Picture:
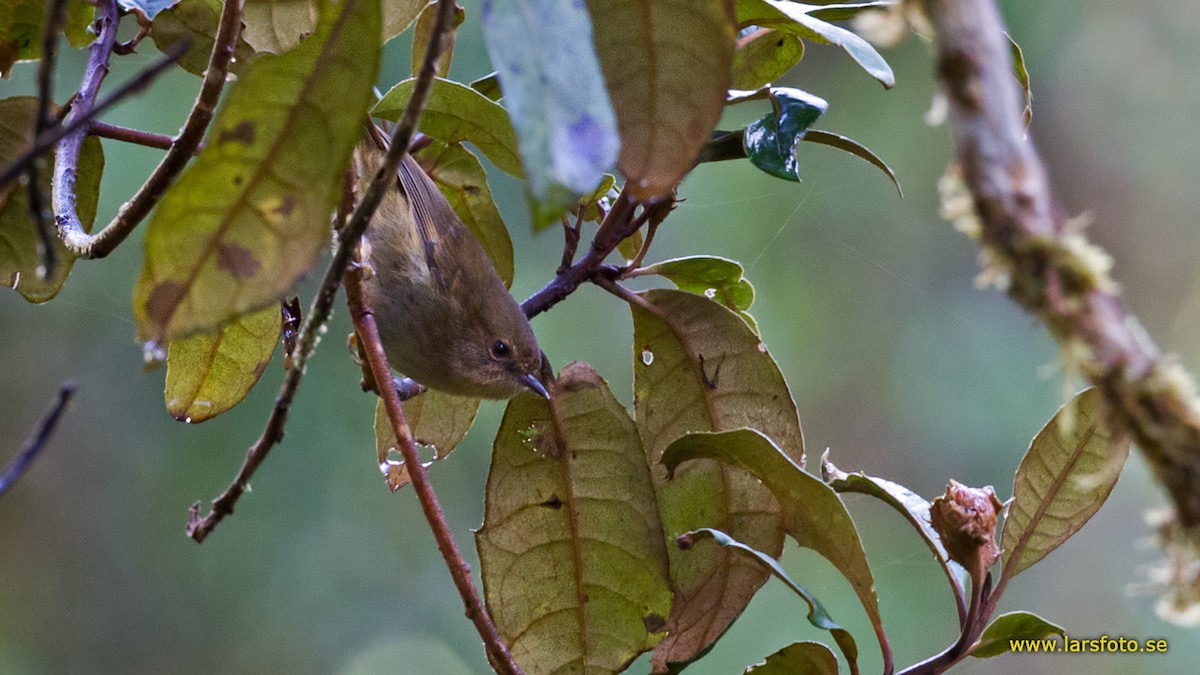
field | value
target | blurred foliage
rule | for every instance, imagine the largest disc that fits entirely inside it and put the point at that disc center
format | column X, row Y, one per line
column 895, row 362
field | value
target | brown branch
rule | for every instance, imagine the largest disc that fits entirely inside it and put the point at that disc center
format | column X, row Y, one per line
column 460, row 571
column 347, row 241
column 37, row 439
column 127, row 135
column 76, row 126
column 1053, row 272
column 181, row 151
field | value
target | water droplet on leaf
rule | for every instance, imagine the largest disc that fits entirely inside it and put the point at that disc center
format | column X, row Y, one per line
column 647, row 356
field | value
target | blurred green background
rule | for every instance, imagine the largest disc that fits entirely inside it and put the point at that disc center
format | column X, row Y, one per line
column 898, row 364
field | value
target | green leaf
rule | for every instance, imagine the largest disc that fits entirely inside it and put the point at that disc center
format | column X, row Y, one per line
column 571, row 551
column 589, row 205
column 798, row 658
column 817, row 616
column 763, row 56
column 1012, row 626
column 1064, row 478
column 543, row 53
column 699, row 367
column 252, row 213
column 196, row 22
column 208, row 374
column 462, row 179
column 798, row 19
column 667, row 65
column 770, row 141
column 812, row 512
column 19, row 240
column 424, row 29
column 277, row 26
column 21, row 29
column 488, row 85
column 907, row 503
column 853, row 147
column 457, row 113
column 1022, row 74
column 713, row 277
column 436, row 420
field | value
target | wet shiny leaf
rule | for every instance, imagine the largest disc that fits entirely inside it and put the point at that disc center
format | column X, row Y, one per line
column 437, row 420
column 196, row 22
column 770, row 142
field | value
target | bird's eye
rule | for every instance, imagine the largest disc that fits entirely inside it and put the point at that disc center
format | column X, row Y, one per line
column 500, row 349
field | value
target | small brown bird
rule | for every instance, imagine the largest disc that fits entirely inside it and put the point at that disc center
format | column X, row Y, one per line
column 445, row 318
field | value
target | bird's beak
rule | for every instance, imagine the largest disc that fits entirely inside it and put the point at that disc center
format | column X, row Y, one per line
column 530, row 380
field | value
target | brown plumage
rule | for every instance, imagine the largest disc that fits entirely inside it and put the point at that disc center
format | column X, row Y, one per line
column 445, row 318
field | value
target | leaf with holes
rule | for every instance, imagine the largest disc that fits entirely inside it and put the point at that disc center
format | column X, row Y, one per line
column 813, row 514
column 457, row 113
column 667, row 66
column 19, row 240
column 543, row 53
column 763, row 56
column 998, row 636
column 462, row 179
column 699, row 367
column 252, row 213
column 208, row 374
column 817, row 616
column 1064, row 478
column 436, row 420
column 770, row 141
column 808, row 658
column 571, row 551
column 196, row 22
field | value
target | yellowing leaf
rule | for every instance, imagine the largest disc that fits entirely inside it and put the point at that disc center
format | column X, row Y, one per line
column 463, row 180
column 196, row 22
column 253, row 212
column 279, row 25
column 423, row 30
column 763, row 56
column 667, row 66
column 19, row 259
column 1064, row 478
column 571, row 550
column 208, row 374
column 699, row 367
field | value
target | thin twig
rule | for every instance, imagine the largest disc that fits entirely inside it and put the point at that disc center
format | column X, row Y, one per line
column 1052, row 270
column 37, row 439
column 78, row 123
column 181, row 151
column 460, row 571
column 135, row 136
column 978, row 614
column 347, row 240
column 55, row 13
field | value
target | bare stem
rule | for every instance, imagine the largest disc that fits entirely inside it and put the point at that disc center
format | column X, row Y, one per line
column 135, row 136
column 1054, row 272
column 181, row 150
column 37, row 439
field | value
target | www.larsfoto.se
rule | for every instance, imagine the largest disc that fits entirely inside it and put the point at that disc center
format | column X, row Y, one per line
column 1099, row 645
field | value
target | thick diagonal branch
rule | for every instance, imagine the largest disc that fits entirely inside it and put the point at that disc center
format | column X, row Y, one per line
column 1053, row 271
